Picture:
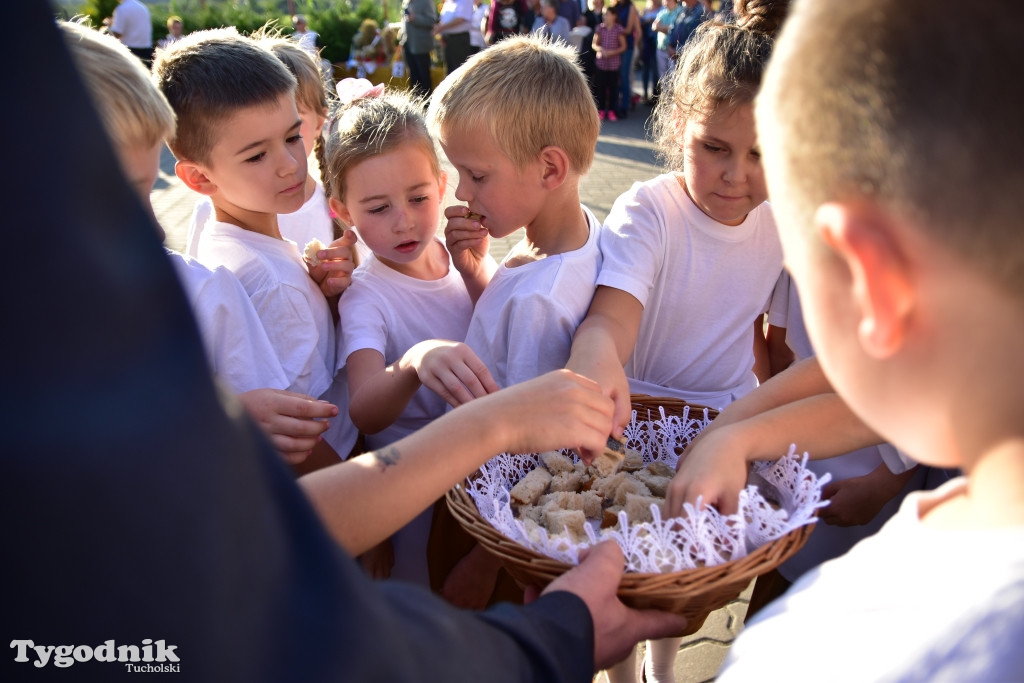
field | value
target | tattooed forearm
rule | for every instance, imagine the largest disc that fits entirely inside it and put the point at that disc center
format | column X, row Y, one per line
column 387, row 457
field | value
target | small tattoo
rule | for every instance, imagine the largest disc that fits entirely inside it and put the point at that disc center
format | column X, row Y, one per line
column 388, row 458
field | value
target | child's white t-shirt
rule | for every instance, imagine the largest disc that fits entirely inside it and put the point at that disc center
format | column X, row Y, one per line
column 236, row 344
column 290, row 305
column 701, row 283
column 525, row 319
column 389, row 312
column 312, row 220
column 911, row 603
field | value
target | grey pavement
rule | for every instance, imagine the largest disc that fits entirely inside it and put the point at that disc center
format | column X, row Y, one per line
column 624, row 155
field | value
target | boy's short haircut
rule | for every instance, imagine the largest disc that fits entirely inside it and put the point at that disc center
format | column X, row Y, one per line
column 207, row 76
column 172, row 20
column 528, row 93
column 133, row 110
column 921, row 114
column 310, row 91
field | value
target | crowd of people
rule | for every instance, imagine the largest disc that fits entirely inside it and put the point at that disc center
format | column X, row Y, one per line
column 870, row 313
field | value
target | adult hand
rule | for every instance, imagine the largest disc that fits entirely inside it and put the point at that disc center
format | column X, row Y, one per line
column 617, row 628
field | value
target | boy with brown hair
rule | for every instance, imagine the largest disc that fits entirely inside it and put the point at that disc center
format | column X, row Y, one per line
column 238, row 142
column 897, row 185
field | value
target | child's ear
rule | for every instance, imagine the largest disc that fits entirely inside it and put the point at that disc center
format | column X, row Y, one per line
column 340, row 210
column 195, row 177
column 554, row 167
column 865, row 239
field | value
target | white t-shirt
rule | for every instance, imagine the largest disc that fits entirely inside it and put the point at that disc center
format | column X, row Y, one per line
column 453, row 9
column 236, row 343
column 701, row 283
column 312, row 220
column 911, row 603
column 289, row 304
column 476, row 35
column 131, row 22
column 389, row 312
column 524, row 321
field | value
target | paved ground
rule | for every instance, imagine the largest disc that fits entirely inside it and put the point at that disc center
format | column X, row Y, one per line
column 624, row 156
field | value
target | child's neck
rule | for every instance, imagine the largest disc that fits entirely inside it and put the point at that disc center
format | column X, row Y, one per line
column 559, row 228
column 253, row 221
column 994, row 496
column 431, row 264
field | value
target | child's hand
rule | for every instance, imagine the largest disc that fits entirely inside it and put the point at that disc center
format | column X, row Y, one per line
column 334, row 272
column 715, row 469
column 559, row 409
column 471, row 581
column 378, row 561
column 467, row 241
column 449, row 369
column 294, row 422
column 858, row 500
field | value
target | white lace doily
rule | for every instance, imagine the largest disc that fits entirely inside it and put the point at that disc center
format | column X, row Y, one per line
column 698, row 538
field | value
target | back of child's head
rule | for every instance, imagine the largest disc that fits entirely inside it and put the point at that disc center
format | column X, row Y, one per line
column 134, row 112
column 369, row 126
column 309, row 92
column 919, row 113
column 721, row 65
column 208, row 76
column 528, row 93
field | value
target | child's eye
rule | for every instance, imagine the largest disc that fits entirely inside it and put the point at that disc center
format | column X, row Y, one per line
column 378, row 209
column 713, row 148
column 254, row 159
column 476, row 178
column 418, row 200
column 293, row 139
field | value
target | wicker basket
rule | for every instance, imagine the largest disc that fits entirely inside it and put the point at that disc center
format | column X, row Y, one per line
column 694, row 593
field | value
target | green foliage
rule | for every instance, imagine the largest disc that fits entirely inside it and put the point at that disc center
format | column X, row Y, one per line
column 335, row 20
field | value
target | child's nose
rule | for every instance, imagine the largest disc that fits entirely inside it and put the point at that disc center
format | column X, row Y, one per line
column 461, row 192
column 736, row 170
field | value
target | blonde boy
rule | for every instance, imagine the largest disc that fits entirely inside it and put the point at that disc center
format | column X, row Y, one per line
column 898, row 189
column 238, row 143
column 138, row 118
column 519, row 124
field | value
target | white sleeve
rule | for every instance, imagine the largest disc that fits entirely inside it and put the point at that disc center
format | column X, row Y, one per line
column 632, row 246
column 778, row 308
column 362, row 323
column 201, row 213
column 293, row 333
column 896, row 460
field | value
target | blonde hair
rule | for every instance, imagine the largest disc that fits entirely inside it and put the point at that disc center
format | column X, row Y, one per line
column 133, row 111
column 528, row 93
column 309, row 91
column 919, row 114
column 207, row 76
column 721, row 65
column 172, row 20
column 369, row 127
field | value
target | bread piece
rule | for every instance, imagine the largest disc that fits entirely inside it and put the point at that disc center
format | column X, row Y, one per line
column 561, row 500
column 630, row 486
column 556, row 463
column 633, row 461
column 567, row 481
column 531, row 487
column 638, row 508
column 309, row 253
column 592, row 504
column 532, row 512
column 660, row 469
column 610, row 459
column 657, row 484
column 571, row 522
column 605, row 486
column 610, row 517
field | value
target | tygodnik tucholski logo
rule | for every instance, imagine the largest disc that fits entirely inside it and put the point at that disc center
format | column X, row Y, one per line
column 154, row 656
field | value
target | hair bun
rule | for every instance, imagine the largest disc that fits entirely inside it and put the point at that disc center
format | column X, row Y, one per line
column 761, row 16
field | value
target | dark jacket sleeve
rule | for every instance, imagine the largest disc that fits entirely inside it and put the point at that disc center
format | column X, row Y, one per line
column 139, row 504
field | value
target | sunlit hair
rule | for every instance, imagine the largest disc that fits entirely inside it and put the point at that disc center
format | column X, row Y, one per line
column 528, row 93
column 208, row 76
column 920, row 114
column 310, row 92
column 369, row 127
column 721, row 65
column 134, row 112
